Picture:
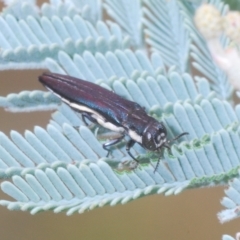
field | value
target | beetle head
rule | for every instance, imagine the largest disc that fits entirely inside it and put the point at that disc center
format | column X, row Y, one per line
column 154, row 136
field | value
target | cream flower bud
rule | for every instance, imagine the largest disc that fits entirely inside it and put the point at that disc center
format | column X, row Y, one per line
column 231, row 26
column 208, row 21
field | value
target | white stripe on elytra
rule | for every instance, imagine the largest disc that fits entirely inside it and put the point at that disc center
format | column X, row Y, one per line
column 135, row 136
column 100, row 119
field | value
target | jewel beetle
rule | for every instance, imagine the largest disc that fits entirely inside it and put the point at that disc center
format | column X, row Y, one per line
column 111, row 111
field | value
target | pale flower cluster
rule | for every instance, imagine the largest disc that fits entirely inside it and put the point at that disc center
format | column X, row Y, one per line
column 212, row 25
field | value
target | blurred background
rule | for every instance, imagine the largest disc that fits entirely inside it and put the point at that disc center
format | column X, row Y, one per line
column 190, row 215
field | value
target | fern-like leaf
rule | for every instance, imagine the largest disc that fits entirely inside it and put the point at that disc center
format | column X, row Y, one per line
column 63, row 167
column 166, row 34
column 128, row 15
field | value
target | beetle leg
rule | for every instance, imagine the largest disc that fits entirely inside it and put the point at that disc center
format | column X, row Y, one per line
column 128, row 147
column 156, row 167
column 89, row 117
column 111, row 143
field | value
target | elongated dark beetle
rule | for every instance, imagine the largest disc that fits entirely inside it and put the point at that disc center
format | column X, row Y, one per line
column 111, row 111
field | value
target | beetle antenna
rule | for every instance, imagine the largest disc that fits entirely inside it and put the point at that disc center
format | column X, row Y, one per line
column 166, row 145
column 177, row 137
column 156, row 167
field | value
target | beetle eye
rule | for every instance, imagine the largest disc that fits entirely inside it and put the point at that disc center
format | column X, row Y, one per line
column 163, row 135
column 149, row 136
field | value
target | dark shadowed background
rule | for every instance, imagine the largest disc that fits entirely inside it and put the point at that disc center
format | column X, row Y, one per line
column 190, row 215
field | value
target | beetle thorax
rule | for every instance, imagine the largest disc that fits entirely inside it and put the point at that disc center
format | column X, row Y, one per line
column 154, row 136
